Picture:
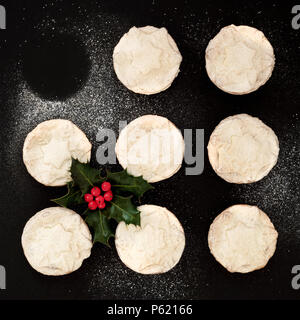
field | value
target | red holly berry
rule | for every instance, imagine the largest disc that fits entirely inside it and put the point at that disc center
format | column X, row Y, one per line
column 106, row 186
column 92, row 205
column 99, row 199
column 108, row 195
column 95, row 191
column 101, row 205
column 88, row 197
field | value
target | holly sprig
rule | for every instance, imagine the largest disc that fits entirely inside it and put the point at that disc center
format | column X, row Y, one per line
column 125, row 187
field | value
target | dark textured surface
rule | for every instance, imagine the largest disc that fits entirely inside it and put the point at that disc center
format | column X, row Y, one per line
column 88, row 93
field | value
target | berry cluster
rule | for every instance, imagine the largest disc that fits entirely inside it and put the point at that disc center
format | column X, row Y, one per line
column 95, row 199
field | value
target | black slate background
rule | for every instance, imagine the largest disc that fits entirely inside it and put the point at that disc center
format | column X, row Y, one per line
column 55, row 61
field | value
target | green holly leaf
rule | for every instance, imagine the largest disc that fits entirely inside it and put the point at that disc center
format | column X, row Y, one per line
column 122, row 209
column 100, row 225
column 84, row 176
column 73, row 197
column 86, row 212
column 123, row 181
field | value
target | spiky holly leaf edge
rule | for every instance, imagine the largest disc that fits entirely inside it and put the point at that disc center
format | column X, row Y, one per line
column 121, row 208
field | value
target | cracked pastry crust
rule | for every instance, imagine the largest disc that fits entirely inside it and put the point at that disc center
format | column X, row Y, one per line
column 242, row 149
column 239, row 59
column 48, row 150
column 56, row 241
column 150, row 146
column 242, row 238
column 146, row 60
column 154, row 247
